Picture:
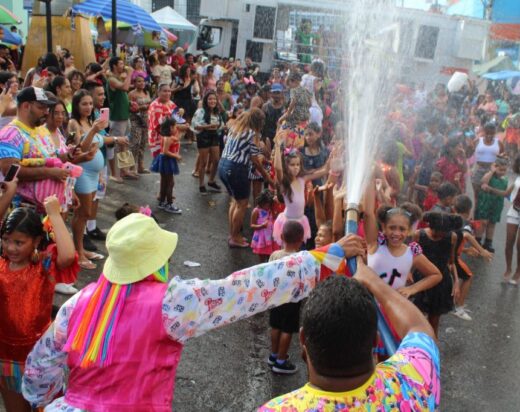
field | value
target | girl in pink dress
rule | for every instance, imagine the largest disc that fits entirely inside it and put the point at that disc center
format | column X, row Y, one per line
column 292, row 179
column 262, row 220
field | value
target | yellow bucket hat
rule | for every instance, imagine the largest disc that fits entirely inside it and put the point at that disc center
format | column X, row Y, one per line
column 137, row 247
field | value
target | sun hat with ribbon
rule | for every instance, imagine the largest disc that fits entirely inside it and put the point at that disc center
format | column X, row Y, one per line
column 137, row 247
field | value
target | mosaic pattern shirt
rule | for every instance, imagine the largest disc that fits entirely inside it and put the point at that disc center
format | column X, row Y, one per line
column 157, row 113
column 190, row 308
column 19, row 141
column 408, row 381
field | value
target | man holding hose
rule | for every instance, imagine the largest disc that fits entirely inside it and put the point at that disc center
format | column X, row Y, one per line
column 339, row 329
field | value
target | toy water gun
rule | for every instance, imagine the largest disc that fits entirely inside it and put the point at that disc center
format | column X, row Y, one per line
column 75, row 170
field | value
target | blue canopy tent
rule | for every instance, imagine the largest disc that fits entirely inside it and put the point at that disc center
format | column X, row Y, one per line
column 126, row 12
column 7, row 36
column 119, row 10
column 502, row 75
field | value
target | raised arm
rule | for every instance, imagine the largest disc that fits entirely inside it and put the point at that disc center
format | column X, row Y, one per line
column 124, row 85
column 86, row 142
column 64, row 243
column 193, row 307
column 338, row 221
column 319, row 211
column 278, row 168
column 370, row 220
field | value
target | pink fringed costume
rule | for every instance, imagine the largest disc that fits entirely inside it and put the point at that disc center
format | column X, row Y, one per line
column 293, row 211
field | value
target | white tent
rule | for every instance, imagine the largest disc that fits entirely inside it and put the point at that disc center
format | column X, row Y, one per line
column 170, row 19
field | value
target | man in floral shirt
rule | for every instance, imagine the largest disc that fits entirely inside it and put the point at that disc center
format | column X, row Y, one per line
column 339, row 329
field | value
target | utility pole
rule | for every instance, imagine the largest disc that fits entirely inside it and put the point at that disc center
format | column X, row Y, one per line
column 48, row 22
column 114, row 28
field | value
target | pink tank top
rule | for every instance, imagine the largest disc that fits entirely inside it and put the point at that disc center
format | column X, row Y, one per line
column 295, row 209
column 141, row 377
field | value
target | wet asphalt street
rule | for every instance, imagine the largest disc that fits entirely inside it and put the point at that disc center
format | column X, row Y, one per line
column 225, row 370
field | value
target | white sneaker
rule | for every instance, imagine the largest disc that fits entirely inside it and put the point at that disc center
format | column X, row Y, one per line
column 65, row 289
column 461, row 312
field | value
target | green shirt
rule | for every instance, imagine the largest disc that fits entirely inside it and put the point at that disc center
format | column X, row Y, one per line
column 119, row 104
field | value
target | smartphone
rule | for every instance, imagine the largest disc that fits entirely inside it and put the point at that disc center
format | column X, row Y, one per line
column 12, row 172
column 105, row 112
column 71, row 139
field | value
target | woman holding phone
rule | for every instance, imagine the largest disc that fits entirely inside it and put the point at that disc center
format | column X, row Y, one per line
column 9, row 85
column 89, row 140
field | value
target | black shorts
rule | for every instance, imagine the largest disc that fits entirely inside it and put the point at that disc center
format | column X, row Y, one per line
column 207, row 139
column 286, row 317
column 461, row 272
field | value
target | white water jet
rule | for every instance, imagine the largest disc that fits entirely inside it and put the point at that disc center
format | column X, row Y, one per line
column 370, row 77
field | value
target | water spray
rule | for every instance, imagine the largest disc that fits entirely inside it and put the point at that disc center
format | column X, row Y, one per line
column 372, row 47
column 351, row 227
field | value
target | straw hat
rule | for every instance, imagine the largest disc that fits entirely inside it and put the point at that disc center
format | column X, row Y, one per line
column 137, row 247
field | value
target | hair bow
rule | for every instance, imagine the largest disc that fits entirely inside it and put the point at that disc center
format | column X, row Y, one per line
column 48, row 229
column 290, row 151
column 145, row 210
column 249, row 80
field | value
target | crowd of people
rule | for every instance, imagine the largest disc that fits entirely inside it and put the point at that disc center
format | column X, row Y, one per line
column 277, row 145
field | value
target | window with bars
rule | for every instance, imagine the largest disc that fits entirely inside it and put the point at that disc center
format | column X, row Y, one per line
column 264, row 22
column 426, row 42
column 193, row 11
column 159, row 4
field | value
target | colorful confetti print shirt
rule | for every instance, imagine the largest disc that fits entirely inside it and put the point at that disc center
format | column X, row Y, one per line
column 190, row 308
column 408, row 381
column 19, row 141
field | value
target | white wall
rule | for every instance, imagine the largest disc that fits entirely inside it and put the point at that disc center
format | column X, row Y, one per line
column 449, row 46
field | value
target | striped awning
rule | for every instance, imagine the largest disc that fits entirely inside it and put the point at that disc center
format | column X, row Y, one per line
column 126, row 12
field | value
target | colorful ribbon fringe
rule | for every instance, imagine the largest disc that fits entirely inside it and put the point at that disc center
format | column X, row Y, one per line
column 91, row 336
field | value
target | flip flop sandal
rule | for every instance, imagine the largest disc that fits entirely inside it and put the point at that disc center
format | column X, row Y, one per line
column 87, row 265
column 116, row 179
column 130, row 177
column 243, row 238
column 233, row 244
column 95, row 256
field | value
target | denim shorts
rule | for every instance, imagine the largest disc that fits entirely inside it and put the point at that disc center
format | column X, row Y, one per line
column 235, row 178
